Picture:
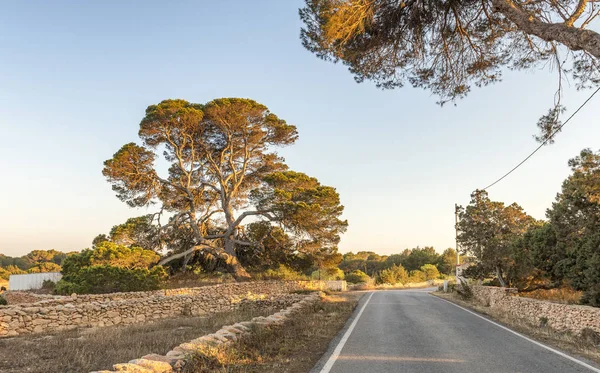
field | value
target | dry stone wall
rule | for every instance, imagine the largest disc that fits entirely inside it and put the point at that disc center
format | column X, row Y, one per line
column 61, row 313
column 175, row 360
column 560, row 317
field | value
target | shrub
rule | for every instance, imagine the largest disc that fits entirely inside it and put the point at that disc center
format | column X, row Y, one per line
column 326, row 274
column 109, row 279
column 591, row 296
column 476, row 272
column 357, row 276
column 417, row 276
column 591, row 336
column 48, row 285
column 431, row 272
column 464, row 290
column 281, row 273
column 393, row 275
column 4, row 274
column 3, row 301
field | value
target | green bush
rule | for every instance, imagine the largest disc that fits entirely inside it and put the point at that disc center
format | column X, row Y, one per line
column 464, row 290
column 4, row 274
column 396, row 274
column 591, row 296
column 100, row 279
column 3, row 301
column 357, row 276
column 48, row 285
column 326, row 274
column 281, row 273
column 431, row 272
column 417, row 276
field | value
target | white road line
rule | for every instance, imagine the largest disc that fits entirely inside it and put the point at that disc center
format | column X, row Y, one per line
column 338, row 348
column 583, row 364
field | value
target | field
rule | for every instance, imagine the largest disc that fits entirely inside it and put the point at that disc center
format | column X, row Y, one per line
column 85, row 350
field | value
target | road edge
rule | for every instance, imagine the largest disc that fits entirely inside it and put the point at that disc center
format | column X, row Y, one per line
column 338, row 337
column 582, row 361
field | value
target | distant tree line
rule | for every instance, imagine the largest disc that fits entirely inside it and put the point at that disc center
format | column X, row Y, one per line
column 517, row 250
column 35, row 262
column 411, row 265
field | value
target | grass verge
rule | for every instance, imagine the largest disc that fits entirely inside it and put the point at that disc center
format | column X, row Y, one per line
column 294, row 347
column 86, row 350
column 569, row 342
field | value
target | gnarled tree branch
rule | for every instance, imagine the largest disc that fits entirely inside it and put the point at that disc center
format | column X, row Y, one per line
column 572, row 37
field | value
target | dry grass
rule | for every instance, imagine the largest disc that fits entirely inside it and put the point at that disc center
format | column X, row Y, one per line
column 86, row 350
column 560, row 295
column 585, row 347
column 294, row 347
column 191, row 280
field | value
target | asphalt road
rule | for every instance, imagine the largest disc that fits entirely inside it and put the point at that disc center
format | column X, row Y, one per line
column 412, row 331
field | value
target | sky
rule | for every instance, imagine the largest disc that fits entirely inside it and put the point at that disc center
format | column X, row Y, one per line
column 76, row 77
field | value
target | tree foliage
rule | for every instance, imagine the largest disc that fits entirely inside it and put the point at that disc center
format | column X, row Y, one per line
column 564, row 251
column 573, row 245
column 36, row 261
column 99, row 279
column 449, row 46
column 396, row 274
column 222, row 170
column 44, row 267
column 357, row 276
column 487, row 230
column 109, row 267
column 431, row 272
column 447, row 261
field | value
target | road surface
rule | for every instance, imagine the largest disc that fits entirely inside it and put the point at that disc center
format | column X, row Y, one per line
column 412, row 331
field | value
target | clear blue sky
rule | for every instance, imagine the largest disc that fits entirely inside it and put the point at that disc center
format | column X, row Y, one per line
column 75, row 78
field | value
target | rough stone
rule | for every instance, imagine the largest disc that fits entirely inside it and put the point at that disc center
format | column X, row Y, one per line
column 558, row 316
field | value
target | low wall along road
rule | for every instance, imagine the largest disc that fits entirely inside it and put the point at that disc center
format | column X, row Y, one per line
column 60, row 313
column 560, row 317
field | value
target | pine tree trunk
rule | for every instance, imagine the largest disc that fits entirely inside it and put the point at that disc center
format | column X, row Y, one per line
column 499, row 276
column 233, row 264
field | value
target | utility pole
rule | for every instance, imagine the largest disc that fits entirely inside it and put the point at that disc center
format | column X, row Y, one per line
column 456, row 239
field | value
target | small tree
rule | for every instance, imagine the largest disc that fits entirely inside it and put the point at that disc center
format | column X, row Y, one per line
column 357, row 276
column 431, row 272
column 487, row 230
column 447, row 261
column 393, row 275
column 417, row 276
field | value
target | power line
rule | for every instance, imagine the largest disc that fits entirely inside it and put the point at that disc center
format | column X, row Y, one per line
column 545, row 141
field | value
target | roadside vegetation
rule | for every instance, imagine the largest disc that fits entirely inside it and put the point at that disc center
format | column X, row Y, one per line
column 411, row 267
column 294, row 347
column 86, row 350
column 557, row 259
